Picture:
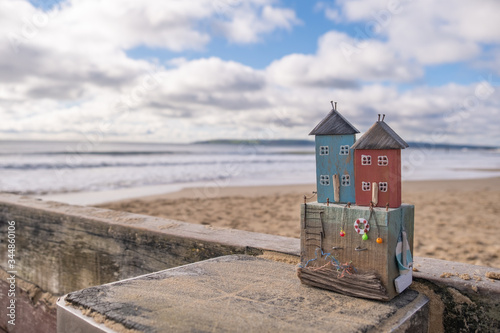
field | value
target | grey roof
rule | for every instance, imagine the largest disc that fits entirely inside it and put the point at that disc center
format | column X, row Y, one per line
column 334, row 124
column 380, row 136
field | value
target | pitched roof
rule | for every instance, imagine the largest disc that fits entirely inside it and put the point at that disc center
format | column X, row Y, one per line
column 380, row 136
column 334, row 124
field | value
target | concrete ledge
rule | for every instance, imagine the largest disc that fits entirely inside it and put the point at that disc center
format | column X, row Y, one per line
column 62, row 248
column 69, row 319
column 468, row 279
column 229, row 237
column 238, row 293
column 462, row 298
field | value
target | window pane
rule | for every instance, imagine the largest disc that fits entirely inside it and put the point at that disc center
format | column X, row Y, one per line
column 383, row 160
column 346, row 180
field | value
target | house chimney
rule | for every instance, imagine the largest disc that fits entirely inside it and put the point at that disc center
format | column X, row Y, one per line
column 335, row 106
column 331, row 102
column 383, row 117
column 378, row 117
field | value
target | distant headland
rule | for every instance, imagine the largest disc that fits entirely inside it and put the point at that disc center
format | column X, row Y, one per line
column 292, row 142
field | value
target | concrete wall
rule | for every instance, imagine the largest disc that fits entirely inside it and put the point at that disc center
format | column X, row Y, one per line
column 462, row 298
column 62, row 248
column 33, row 308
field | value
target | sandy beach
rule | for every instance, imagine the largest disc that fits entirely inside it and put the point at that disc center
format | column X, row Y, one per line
column 454, row 219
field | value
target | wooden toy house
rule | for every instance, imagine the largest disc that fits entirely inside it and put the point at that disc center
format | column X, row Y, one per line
column 334, row 136
column 359, row 250
column 377, row 166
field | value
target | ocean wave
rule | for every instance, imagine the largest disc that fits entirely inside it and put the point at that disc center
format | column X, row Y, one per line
column 110, row 153
column 116, row 164
column 42, row 168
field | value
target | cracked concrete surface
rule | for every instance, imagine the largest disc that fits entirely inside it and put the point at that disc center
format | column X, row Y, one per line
column 231, row 294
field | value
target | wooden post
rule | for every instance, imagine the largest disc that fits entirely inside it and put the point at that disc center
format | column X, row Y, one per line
column 375, row 193
column 403, row 253
column 336, row 188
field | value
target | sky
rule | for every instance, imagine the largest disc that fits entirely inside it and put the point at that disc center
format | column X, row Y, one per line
column 179, row 71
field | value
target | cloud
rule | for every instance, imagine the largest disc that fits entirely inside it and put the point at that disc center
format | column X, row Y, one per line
column 342, row 62
column 451, row 113
column 217, row 75
column 65, row 73
column 427, row 31
column 206, row 86
column 332, row 14
column 249, row 21
column 82, row 43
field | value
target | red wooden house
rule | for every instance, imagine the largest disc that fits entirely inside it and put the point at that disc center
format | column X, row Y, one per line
column 377, row 166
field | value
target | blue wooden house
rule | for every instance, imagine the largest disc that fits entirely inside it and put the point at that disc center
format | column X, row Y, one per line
column 334, row 136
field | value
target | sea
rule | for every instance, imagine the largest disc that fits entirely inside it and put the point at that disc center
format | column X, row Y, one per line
column 43, row 167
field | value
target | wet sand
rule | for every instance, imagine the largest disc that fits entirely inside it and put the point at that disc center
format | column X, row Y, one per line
column 454, row 219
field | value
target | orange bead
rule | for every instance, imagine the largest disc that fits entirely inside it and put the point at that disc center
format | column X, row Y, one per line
column 379, row 240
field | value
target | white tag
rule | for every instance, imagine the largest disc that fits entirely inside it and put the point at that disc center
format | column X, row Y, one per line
column 403, row 281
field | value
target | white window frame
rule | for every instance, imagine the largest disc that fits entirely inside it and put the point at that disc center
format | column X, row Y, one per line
column 344, row 150
column 324, row 150
column 324, row 180
column 366, row 160
column 366, row 186
column 383, row 160
column 383, row 186
column 346, row 180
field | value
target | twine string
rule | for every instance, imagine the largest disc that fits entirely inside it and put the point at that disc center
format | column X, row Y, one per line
column 375, row 218
column 331, row 260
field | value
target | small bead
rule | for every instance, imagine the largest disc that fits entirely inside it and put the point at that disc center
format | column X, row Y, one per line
column 379, row 240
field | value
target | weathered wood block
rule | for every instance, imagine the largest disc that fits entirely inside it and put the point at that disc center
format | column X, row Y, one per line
column 370, row 268
column 234, row 294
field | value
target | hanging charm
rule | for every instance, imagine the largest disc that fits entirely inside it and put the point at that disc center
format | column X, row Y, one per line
column 365, row 237
column 362, row 227
column 379, row 239
column 342, row 232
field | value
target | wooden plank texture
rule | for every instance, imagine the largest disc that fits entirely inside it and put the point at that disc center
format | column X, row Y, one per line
column 365, row 285
column 374, row 173
column 335, row 164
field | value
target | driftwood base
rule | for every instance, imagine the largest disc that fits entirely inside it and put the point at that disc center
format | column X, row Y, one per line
column 328, row 234
column 366, row 285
